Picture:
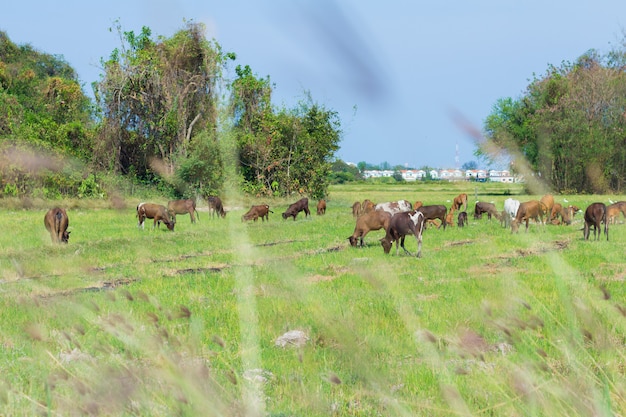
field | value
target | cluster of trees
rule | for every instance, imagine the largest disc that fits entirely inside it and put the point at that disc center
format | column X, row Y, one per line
column 569, row 126
column 163, row 114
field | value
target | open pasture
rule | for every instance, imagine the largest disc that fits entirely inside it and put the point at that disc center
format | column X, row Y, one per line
column 124, row 321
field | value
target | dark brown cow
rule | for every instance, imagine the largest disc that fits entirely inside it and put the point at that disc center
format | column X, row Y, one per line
column 460, row 200
column 436, row 211
column 297, row 207
column 462, row 219
column 403, row 224
column 374, row 220
column 526, row 211
column 595, row 215
column 183, row 207
column 154, row 211
column 483, row 207
column 259, row 211
column 216, row 206
column 56, row 222
column 321, row 207
column 356, row 209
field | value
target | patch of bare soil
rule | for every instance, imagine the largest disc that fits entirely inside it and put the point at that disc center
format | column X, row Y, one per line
column 459, row 242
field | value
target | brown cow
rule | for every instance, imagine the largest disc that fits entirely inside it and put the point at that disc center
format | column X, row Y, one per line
column 595, row 215
column 565, row 213
column 403, row 224
column 526, row 211
column 321, row 207
column 374, row 220
column 255, row 212
column 489, row 208
column 297, row 207
column 216, row 206
column 460, row 200
column 548, row 202
column 356, row 209
column 154, row 211
column 462, row 219
column 450, row 217
column 367, row 206
column 433, row 212
column 183, row 207
column 613, row 211
column 417, row 205
column 56, row 222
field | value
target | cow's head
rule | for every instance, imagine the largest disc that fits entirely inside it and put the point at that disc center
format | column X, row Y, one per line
column 65, row 237
column 353, row 241
column 386, row 244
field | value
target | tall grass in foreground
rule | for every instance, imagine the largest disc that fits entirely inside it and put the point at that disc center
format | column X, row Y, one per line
column 124, row 321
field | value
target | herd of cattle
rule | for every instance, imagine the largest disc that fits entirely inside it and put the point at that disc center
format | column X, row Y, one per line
column 397, row 218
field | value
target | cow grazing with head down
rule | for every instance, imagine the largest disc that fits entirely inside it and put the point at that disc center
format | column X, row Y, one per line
column 374, row 220
column 613, row 211
column 462, row 219
column 154, row 211
column 401, row 225
column 259, row 211
column 356, row 209
column 183, row 207
column 528, row 210
column 489, row 208
column 56, row 222
column 321, row 207
column 435, row 211
column 216, row 206
column 297, row 207
column 595, row 215
column 460, row 200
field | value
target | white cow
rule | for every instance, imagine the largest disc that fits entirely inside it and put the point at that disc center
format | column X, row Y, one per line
column 510, row 209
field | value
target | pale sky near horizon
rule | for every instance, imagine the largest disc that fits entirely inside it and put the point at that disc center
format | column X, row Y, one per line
column 396, row 72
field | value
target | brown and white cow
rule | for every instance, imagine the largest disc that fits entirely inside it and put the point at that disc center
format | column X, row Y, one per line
column 216, row 206
column 460, row 200
column 393, row 207
column 183, row 207
column 595, row 215
column 321, row 207
column 259, row 211
column 154, row 211
column 297, row 207
column 401, row 225
column 56, row 222
column 374, row 220
column 483, row 207
column 435, row 211
column 528, row 210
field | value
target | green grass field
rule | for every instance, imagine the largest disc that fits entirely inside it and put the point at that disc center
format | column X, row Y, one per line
column 124, row 321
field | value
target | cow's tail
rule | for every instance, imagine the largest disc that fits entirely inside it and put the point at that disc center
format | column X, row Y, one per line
column 197, row 214
column 58, row 217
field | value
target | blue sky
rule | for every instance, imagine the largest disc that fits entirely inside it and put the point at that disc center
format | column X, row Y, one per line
column 395, row 71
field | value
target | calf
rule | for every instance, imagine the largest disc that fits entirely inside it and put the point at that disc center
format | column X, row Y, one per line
column 260, row 211
column 460, row 200
column 154, row 211
column 56, row 222
column 433, row 212
column 216, row 206
column 527, row 210
column 402, row 224
column 394, row 207
column 297, row 207
column 613, row 211
column 367, row 206
column 565, row 213
column 321, row 207
column 595, row 215
column 175, row 207
column 374, row 220
column 547, row 202
column 462, row 219
column 489, row 208
column 356, row 209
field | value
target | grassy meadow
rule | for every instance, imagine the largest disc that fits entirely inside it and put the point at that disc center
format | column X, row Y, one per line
column 125, row 321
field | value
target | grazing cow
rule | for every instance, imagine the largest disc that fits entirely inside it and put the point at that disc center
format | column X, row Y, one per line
column 595, row 215
column 489, row 208
column 402, row 224
column 56, row 222
column 394, row 207
column 260, row 211
column 367, row 206
column 527, row 210
column 154, row 211
column 297, row 207
column 356, row 209
column 565, row 213
column 216, row 206
column 321, row 207
column 613, row 211
column 511, row 206
column 433, row 212
column 462, row 219
column 374, row 220
column 183, row 207
column 548, row 202
column 460, row 200
column 450, row 217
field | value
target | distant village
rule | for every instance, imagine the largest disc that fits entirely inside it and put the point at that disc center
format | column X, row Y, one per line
column 480, row 175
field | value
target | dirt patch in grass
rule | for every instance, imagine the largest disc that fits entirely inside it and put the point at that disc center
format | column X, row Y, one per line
column 459, row 243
